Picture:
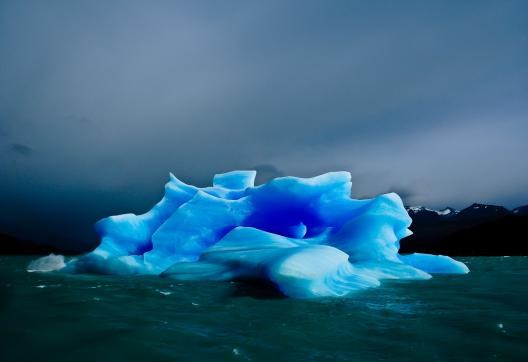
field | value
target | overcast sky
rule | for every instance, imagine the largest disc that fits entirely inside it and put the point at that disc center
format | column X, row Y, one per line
column 99, row 101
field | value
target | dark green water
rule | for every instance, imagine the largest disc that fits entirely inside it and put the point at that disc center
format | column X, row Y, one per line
column 482, row 316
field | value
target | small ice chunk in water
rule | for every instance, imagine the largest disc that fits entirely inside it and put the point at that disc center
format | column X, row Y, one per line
column 48, row 263
column 163, row 292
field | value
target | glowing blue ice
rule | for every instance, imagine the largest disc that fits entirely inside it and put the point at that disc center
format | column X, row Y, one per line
column 305, row 235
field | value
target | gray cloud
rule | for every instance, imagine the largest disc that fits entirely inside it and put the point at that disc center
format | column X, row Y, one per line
column 427, row 98
column 266, row 173
column 406, row 193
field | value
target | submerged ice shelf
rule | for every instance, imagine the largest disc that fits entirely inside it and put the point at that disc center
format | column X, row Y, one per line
column 305, row 235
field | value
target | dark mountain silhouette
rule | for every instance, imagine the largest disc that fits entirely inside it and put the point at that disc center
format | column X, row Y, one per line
column 523, row 210
column 11, row 245
column 478, row 213
column 477, row 230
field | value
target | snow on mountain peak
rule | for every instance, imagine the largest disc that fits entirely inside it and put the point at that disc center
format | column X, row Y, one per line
column 443, row 212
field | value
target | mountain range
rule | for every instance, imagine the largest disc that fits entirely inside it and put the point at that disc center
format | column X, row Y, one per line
column 476, row 230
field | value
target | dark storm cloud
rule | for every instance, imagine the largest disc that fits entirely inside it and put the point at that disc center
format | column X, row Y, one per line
column 20, row 149
column 424, row 97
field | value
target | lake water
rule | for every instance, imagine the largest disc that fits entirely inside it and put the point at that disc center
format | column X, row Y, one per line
column 482, row 316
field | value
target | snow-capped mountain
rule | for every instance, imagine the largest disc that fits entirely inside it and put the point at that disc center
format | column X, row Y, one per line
column 522, row 210
column 443, row 212
column 474, row 211
column 483, row 212
column 473, row 230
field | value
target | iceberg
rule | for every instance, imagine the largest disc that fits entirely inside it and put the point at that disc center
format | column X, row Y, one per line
column 307, row 236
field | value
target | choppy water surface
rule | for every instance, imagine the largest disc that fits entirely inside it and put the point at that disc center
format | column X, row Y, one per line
column 481, row 316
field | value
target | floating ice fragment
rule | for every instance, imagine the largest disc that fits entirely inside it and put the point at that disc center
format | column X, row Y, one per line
column 48, row 263
column 435, row 264
column 164, row 292
column 305, row 235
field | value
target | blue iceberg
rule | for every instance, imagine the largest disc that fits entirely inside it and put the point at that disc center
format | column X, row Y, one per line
column 305, row 235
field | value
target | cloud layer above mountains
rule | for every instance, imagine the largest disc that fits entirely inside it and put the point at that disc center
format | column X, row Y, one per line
column 99, row 101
